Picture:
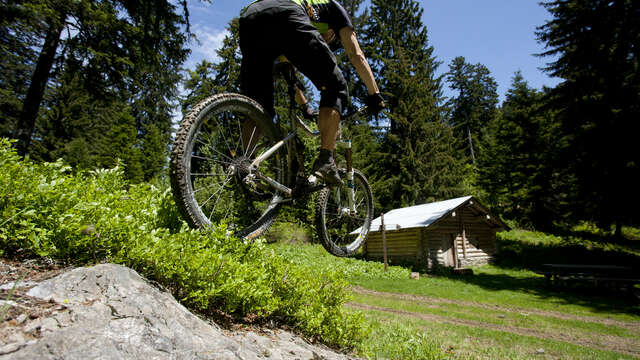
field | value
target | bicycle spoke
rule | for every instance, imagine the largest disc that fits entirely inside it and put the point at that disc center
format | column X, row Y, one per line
column 217, row 201
column 214, row 149
column 212, row 185
column 345, row 211
column 219, row 136
column 240, row 132
column 214, row 194
column 250, row 141
column 226, row 215
column 211, row 160
column 224, row 137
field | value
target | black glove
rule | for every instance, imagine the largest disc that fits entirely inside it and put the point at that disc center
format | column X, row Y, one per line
column 375, row 103
column 308, row 113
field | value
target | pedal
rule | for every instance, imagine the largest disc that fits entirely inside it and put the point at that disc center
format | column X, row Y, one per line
column 313, row 180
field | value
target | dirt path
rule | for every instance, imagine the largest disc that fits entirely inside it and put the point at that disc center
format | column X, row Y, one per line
column 606, row 342
column 427, row 300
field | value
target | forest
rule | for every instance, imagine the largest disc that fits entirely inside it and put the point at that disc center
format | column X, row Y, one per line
column 97, row 82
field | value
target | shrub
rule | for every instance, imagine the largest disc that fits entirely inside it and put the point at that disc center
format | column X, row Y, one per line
column 87, row 217
column 314, row 258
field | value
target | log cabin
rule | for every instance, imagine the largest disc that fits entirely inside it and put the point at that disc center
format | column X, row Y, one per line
column 456, row 233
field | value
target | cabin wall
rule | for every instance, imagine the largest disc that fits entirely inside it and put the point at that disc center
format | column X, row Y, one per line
column 478, row 247
column 435, row 244
column 403, row 244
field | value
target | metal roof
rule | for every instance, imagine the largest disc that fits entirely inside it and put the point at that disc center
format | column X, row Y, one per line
column 418, row 216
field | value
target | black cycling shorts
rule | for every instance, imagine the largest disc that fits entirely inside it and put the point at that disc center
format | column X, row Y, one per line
column 270, row 28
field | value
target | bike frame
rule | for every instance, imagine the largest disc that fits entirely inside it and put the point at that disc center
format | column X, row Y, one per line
column 293, row 153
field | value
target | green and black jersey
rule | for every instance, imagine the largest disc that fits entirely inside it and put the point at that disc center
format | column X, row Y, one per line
column 326, row 14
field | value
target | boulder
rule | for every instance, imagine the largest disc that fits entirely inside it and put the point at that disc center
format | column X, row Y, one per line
column 110, row 312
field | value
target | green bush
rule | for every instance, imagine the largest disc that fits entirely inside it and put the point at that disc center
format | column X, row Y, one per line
column 46, row 210
column 314, row 258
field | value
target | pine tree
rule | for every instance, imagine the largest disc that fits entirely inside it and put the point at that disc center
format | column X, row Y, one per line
column 417, row 161
column 118, row 52
column 88, row 133
column 54, row 15
column 19, row 37
column 595, row 45
column 224, row 76
column 518, row 167
column 476, row 103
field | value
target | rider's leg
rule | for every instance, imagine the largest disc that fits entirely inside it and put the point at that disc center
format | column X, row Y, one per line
column 318, row 63
column 329, row 125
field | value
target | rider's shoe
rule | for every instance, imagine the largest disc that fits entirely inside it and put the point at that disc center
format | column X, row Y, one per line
column 325, row 168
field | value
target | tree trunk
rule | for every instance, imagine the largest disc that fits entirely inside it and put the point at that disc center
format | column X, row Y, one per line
column 31, row 106
column 473, row 154
column 618, row 231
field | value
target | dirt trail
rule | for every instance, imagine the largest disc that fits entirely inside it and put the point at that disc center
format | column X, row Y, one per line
column 427, row 300
column 606, row 342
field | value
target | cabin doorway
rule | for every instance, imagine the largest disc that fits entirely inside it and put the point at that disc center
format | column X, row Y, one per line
column 448, row 251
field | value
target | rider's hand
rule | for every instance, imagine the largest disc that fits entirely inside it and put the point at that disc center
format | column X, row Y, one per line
column 375, row 103
column 308, row 113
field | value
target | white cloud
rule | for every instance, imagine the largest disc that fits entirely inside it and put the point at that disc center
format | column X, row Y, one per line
column 210, row 40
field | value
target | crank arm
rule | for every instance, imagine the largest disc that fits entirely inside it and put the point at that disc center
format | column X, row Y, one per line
column 274, row 184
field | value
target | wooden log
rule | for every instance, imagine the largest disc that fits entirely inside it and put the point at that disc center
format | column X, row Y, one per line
column 384, row 242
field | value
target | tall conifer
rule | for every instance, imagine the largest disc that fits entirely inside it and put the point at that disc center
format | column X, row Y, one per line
column 518, row 167
column 118, row 54
column 476, row 103
column 595, row 44
column 417, row 161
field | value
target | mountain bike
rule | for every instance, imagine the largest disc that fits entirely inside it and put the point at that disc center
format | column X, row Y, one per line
column 232, row 163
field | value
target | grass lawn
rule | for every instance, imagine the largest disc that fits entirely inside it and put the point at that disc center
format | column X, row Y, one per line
column 523, row 289
column 502, row 311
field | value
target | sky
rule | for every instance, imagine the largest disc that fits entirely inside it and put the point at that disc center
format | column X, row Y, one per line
column 500, row 34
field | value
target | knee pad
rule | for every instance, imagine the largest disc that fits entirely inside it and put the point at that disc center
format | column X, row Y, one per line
column 335, row 93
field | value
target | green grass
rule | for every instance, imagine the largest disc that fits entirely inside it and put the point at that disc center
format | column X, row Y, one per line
column 464, row 342
column 519, row 318
column 466, row 322
column 514, row 288
column 582, row 245
column 503, row 311
column 399, row 340
column 314, row 258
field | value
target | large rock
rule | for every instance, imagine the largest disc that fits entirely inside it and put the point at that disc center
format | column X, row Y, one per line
column 110, row 312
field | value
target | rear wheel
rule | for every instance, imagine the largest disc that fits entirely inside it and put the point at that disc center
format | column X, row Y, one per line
column 210, row 162
column 342, row 228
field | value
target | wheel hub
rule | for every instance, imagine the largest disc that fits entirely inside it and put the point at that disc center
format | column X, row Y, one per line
column 242, row 167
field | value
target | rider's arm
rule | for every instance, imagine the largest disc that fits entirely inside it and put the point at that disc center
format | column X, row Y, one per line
column 357, row 58
column 300, row 98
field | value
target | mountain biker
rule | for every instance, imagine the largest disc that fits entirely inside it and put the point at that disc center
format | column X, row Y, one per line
column 302, row 31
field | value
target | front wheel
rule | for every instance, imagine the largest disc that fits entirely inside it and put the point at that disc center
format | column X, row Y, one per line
column 211, row 166
column 343, row 225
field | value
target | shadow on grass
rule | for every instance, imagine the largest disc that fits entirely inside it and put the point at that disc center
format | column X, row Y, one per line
column 514, row 254
column 600, row 299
